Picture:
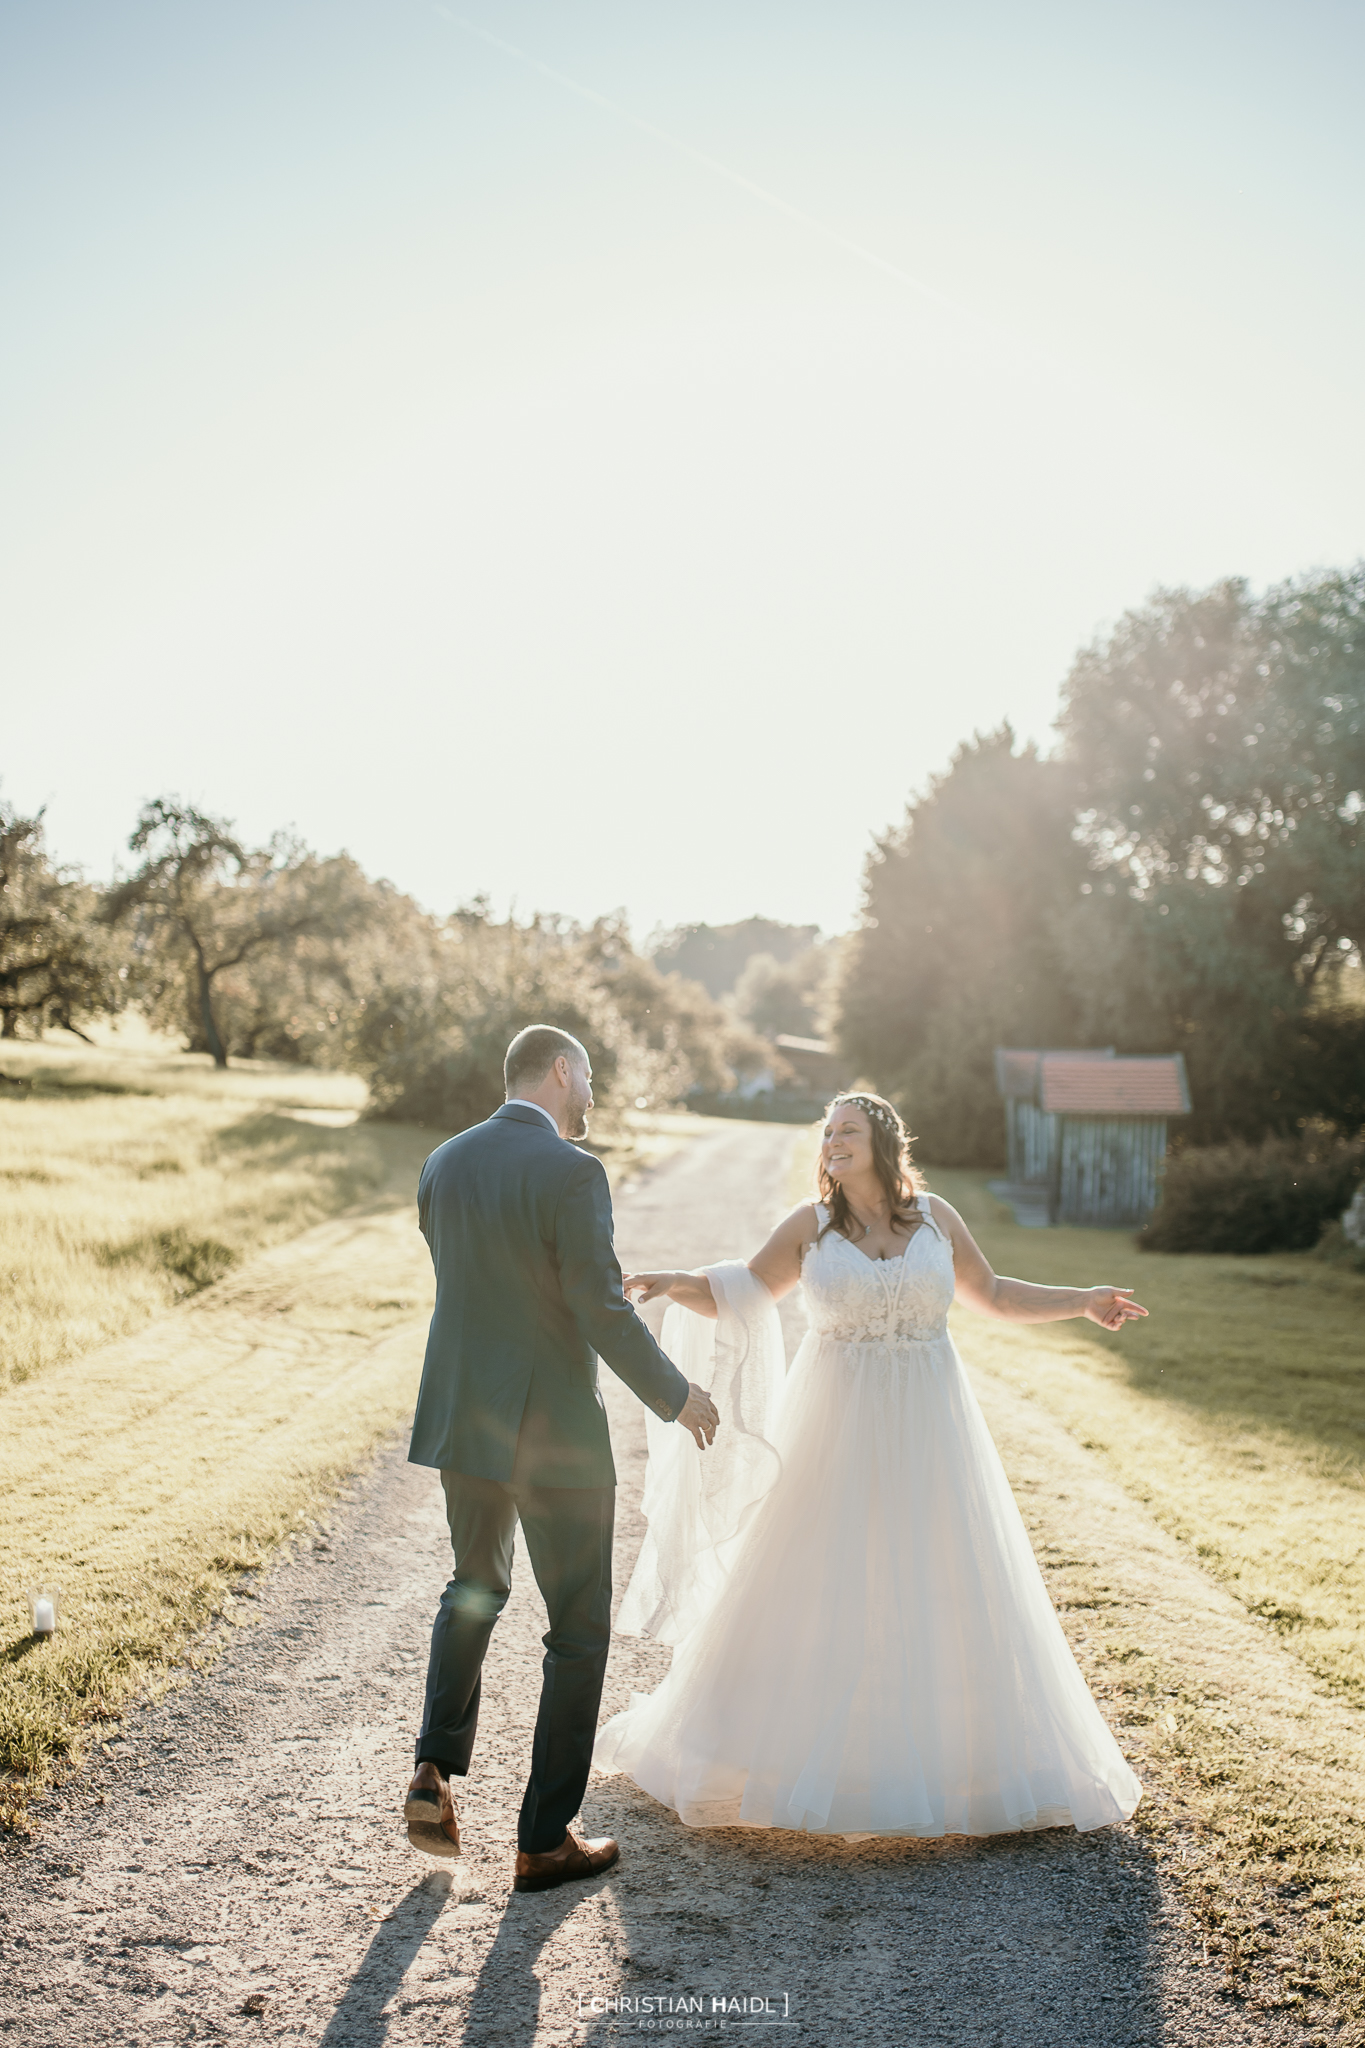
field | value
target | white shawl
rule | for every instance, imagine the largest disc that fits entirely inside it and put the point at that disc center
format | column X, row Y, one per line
column 698, row 1503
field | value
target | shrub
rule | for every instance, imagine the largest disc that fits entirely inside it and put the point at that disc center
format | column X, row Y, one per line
column 431, row 1043
column 1271, row 1197
column 192, row 1263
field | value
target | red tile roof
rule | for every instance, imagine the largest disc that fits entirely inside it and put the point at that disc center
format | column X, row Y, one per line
column 1016, row 1068
column 1123, row 1087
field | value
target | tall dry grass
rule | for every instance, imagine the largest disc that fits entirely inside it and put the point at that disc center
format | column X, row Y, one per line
column 130, row 1182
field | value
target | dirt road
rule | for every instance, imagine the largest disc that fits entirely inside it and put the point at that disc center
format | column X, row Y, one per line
column 236, row 1869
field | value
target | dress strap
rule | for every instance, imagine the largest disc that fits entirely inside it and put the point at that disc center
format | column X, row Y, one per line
column 821, row 1214
column 922, row 1204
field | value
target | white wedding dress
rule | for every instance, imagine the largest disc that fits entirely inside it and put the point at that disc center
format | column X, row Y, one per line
column 863, row 1641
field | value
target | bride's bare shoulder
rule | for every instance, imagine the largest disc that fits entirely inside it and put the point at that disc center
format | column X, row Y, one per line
column 949, row 1221
column 803, row 1224
column 798, row 1229
column 778, row 1264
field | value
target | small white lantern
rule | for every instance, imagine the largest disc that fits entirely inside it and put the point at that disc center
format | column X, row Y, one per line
column 43, row 1603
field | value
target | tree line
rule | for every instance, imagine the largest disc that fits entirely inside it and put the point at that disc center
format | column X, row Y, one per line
column 1186, row 872
column 276, row 952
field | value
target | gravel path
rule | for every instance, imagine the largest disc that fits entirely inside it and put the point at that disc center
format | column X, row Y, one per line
column 235, row 1869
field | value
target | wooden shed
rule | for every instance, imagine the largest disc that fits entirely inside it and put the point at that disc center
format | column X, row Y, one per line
column 1086, row 1131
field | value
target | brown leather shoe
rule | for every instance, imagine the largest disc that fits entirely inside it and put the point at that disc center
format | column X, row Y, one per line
column 537, row 1873
column 429, row 1811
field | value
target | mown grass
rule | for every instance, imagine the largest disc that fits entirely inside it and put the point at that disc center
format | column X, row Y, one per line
column 1235, row 1413
column 129, row 1182
column 146, row 1476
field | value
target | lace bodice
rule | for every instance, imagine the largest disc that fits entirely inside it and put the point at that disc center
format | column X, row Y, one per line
column 857, row 1300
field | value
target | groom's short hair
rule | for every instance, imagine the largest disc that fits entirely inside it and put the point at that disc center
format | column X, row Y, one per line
column 534, row 1051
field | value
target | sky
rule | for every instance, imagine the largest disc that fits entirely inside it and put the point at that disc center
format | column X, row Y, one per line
column 607, row 453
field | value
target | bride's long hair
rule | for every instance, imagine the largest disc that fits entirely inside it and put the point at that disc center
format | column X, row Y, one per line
column 891, row 1162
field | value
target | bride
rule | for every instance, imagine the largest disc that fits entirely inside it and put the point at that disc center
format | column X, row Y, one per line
column 863, row 1641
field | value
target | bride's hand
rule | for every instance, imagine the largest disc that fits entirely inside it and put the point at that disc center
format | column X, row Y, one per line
column 1111, row 1307
column 652, row 1286
column 689, row 1290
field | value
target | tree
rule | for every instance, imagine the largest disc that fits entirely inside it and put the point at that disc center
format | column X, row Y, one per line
column 56, row 960
column 698, row 1041
column 957, row 951
column 430, row 1041
column 777, row 996
column 1218, row 748
column 299, row 1002
column 717, row 954
column 203, row 905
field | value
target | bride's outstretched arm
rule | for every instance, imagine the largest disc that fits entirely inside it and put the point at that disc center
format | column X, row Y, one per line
column 778, row 1266
column 1024, row 1301
column 689, row 1290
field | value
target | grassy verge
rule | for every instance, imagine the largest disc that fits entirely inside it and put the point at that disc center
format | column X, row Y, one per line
column 146, row 1476
column 128, row 1183
column 1236, row 1414
column 1251, row 1769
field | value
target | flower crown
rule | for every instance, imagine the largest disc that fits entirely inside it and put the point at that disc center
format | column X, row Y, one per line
column 878, row 1112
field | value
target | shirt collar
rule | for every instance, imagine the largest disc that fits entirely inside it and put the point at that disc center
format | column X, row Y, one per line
column 521, row 1103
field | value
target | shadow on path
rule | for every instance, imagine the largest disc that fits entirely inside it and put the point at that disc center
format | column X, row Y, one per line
column 507, row 1994
column 1054, row 1938
column 360, row 2016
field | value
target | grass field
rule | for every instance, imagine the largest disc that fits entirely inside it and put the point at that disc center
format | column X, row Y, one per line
column 1236, row 1413
column 140, row 1193
column 129, row 1181
column 213, row 1303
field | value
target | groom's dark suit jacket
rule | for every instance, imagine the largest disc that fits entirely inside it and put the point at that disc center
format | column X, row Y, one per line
column 527, row 1291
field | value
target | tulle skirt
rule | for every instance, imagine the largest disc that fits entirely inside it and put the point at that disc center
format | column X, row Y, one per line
column 883, row 1657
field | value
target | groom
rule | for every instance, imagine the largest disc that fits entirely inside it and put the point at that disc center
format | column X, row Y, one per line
column 527, row 1291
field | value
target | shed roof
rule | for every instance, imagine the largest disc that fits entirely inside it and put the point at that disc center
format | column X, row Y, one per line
column 1017, row 1067
column 1114, row 1087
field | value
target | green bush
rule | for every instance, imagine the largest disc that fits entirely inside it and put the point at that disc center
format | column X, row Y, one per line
column 430, row 1043
column 1272, row 1197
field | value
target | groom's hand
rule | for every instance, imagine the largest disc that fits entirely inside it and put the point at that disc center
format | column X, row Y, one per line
column 700, row 1415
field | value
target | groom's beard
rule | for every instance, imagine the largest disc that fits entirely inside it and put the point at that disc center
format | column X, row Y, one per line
column 577, row 1119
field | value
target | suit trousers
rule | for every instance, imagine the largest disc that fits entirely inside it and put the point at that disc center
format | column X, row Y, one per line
column 568, row 1532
